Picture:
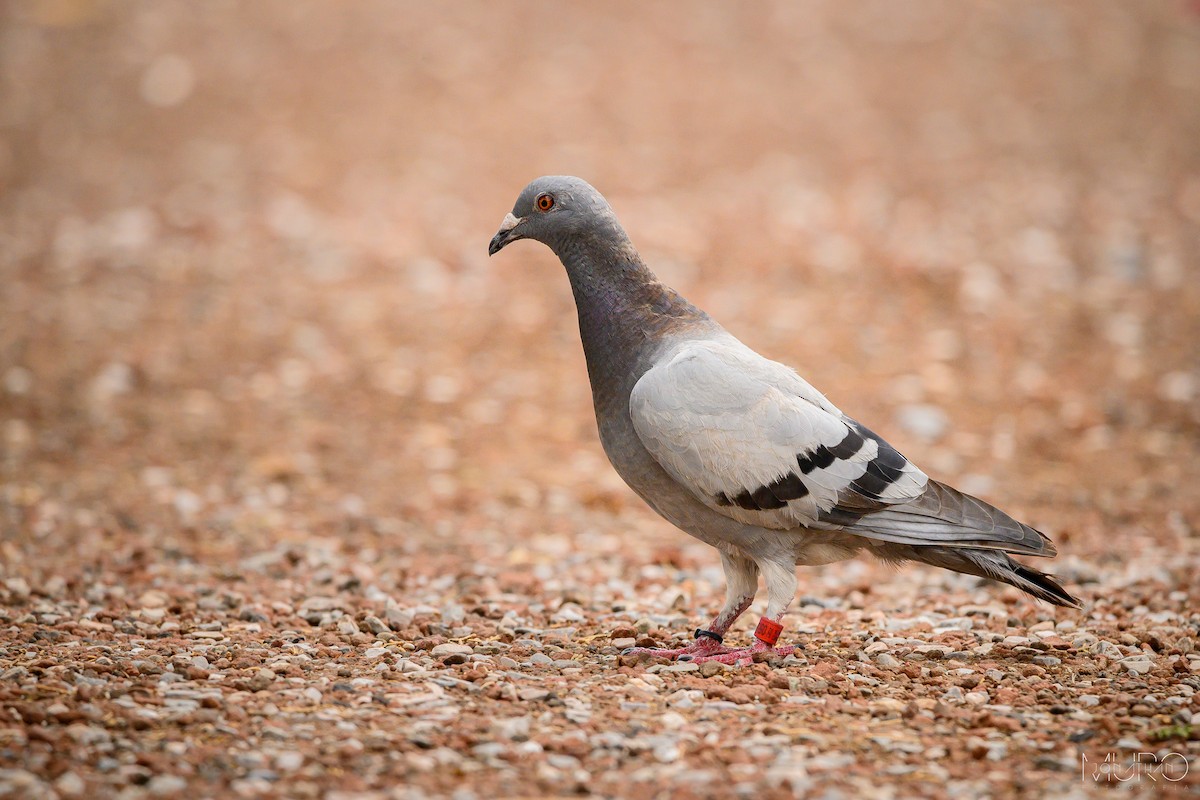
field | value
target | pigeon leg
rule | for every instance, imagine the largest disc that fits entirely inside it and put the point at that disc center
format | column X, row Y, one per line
column 741, row 584
column 781, row 588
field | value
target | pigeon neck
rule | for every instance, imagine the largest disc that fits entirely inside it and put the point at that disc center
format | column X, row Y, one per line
column 623, row 309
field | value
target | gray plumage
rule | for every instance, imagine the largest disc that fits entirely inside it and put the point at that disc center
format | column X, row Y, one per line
column 740, row 451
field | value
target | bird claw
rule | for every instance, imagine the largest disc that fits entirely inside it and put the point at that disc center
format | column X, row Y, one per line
column 747, row 655
column 705, row 649
column 701, row 648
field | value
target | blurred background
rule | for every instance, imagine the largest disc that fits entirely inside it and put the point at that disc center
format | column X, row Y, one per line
column 271, row 420
column 245, row 303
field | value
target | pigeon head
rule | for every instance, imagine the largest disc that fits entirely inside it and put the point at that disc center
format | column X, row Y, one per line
column 558, row 211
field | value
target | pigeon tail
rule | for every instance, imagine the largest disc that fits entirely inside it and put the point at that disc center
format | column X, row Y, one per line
column 944, row 516
column 996, row 566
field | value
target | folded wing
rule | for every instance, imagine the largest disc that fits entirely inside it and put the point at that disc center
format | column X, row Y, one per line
column 754, row 441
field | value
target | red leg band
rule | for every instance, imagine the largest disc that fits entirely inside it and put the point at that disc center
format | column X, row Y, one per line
column 768, row 631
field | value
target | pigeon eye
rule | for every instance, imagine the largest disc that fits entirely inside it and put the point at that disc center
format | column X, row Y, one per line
column 544, row 202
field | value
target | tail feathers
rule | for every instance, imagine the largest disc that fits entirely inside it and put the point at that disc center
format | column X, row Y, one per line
column 996, row 566
column 1042, row 586
column 945, row 517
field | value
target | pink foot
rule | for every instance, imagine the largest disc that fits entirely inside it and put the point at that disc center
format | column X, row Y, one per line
column 699, row 649
column 745, row 655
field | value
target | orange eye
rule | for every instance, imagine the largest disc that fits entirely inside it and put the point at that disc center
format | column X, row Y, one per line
column 545, row 202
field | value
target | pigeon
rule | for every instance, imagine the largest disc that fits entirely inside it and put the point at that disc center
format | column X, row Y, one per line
column 741, row 452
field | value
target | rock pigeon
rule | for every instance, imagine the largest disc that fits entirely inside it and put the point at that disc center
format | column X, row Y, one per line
column 740, row 451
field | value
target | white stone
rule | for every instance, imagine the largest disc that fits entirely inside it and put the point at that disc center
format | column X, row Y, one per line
column 451, row 649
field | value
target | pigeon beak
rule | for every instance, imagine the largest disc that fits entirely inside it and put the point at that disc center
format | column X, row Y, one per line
column 505, row 234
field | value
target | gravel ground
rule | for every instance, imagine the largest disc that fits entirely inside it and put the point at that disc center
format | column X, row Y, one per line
column 301, row 496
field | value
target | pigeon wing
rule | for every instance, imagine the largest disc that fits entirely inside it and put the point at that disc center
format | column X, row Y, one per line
column 754, row 441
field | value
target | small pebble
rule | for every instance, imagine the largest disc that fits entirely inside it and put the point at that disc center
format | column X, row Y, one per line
column 450, row 648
